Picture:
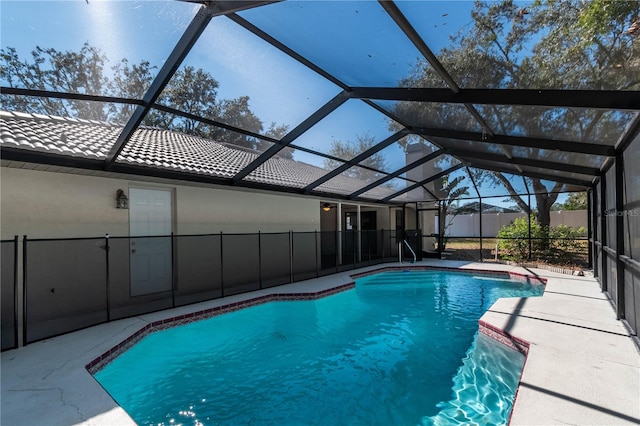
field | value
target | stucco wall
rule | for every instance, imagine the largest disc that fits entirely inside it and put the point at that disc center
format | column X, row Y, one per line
column 207, row 210
column 58, row 205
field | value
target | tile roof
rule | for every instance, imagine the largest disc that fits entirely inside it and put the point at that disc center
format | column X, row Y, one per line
column 57, row 135
column 162, row 149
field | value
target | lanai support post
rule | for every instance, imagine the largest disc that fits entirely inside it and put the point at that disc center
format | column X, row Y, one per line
column 603, row 231
column 359, row 241
column 619, row 188
column 339, row 231
column 590, row 238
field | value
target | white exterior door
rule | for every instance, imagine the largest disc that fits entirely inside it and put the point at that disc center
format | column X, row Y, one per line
column 149, row 216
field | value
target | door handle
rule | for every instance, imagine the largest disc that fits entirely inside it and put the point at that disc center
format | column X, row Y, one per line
column 133, row 250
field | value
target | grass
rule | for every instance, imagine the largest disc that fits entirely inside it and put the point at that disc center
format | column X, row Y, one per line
column 469, row 249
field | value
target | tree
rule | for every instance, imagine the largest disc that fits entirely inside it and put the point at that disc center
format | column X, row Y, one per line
column 193, row 91
column 576, row 201
column 129, row 81
column 554, row 44
column 236, row 112
column 348, row 150
column 452, row 192
column 190, row 90
column 276, row 131
column 72, row 72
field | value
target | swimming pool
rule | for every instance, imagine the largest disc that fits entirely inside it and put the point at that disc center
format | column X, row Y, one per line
column 400, row 349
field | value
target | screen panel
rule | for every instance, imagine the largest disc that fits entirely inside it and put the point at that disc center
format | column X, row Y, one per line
column 113, row 48
column 349, row 39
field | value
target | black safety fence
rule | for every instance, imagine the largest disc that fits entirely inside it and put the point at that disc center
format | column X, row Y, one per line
column 70, row 284
column 615, row 223
column 8, row 292
column 65, row 286
column 631, row 293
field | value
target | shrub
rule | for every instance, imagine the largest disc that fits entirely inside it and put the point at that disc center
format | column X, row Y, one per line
column 561, row 243
column 513, row 239
column 566, row 243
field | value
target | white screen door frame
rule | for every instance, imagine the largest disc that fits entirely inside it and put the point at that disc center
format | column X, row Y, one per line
column 150, row 215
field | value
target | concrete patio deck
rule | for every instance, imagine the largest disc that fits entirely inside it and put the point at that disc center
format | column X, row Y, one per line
column 582, row 367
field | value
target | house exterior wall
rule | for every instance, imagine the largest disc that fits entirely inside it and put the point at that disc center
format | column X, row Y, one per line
column 414, row 153
column 329, row 222
column 60, row 205
column 384, row 218
column 208, row 210
column 57, row 205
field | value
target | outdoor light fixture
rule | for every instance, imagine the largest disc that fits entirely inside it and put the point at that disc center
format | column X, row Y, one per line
column 122, row 202
column 326, row 207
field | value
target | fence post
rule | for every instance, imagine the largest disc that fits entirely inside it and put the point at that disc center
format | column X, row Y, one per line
column 529, row 225
column 315, row 238
column 480, row 227
column 339, row 229
column 358, row 240
column 221, row 266
column 441, row 221
column 290, row 256
column 356, row 250
column 392, row 234
column 260, row 260
column 15, row 290
column 337, row 239
column 108, row 277
column 24, row 290
column 173, row 272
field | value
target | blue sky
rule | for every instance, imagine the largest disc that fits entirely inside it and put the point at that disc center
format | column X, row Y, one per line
column 281, row 90
column 357, row 34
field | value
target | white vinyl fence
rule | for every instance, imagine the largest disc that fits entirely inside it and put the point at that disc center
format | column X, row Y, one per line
column 468, row 225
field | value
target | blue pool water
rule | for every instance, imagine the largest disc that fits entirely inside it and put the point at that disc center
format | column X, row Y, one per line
column 400, row 349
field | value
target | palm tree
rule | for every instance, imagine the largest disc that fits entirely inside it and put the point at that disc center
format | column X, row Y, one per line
column 452, row 193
